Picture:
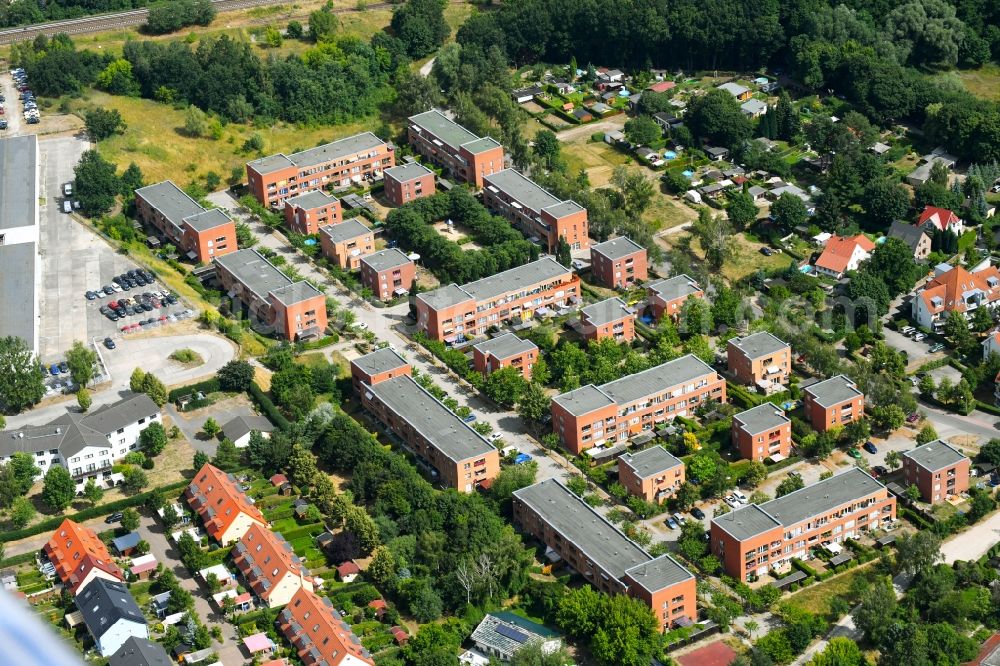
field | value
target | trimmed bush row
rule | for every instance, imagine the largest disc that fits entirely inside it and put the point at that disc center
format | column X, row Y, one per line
column 87, row 514
column 207, row 386
column 269, row 409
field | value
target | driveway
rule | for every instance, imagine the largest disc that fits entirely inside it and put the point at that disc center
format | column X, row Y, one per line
column 615, row 123
column 190, row 423
column 229, row 650
column 973, row 542
column 12, row 107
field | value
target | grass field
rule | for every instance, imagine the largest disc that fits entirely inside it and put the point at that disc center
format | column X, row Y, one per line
column 155, row 140
column 983, row 82
column 598, row 159
column 747, row 260
column 816, row 598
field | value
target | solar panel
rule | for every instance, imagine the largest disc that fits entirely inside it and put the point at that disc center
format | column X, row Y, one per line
column 511, row 633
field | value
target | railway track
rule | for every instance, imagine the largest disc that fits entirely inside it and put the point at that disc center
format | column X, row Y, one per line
column 104, row 22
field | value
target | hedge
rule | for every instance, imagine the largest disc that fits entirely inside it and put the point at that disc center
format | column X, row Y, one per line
column 988, row 408
column 87, row 514
column 23, row 558
column 808, row 570
column 266, row 406
column 902, row 512
column 206, row 387
column 304, row 530
column 747, row 399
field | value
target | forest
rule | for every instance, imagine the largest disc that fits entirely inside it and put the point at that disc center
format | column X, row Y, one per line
column 882, row 57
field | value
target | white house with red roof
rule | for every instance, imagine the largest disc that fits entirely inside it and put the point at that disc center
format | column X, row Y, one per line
column 843, row 254
column 955, row 289
column 940, row 219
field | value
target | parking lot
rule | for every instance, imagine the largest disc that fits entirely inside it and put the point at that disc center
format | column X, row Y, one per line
column 916, row 351
column 75, row 260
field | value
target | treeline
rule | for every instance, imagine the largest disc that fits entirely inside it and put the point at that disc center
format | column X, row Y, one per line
column 334, row 82
column 172, row 15
column 503, row 246
column 441, row 550
column 875, row 54
column 26, row 12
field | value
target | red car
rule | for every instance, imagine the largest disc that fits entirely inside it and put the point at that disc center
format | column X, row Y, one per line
column 913, row 418
column 163, row 317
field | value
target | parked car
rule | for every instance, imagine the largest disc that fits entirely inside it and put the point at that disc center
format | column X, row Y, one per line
column 740, row 497
column 671, row 523
column 113, row 518
column 91, row 295
column 697, row 513
column 732, row 502
column 67, row 206
column 935, row 348
column 54, row 370
column 522, row 458
column 109, row 343
column 920, row 337
column 880, row 470
column 854, row 453
column 870, row 448
column 766, row 251
column 679, row 519
column 913, row 418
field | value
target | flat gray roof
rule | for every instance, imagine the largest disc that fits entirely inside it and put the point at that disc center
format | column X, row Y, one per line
column 833, row 391
column 759, row 344
column 18, row 300
column 254, row 271
column 440, row 126
column 171, row 201
column 616, row 248
column 650, row 462
column 564, row 208
column 935, row 455
column 443, row 297
column 766, row 416
column 209, row 219
column 18, row 182
column 634, row 387
column 657, row 379
column 379, row 361
column 583, row 400
column 606, row 311
column 657, row 574
column 583, row 527
column 514, row 279
column 328, row 152
column 310, row 200
column 384, row 260
column 797, row 506
column 674, row 287
column 482, row 145
column 545, row 269
column 435, row 422
column 346, row 230
column 521, row 189
column 295, row 293
column 746, row 522
column 409, row 171
column 505, row 346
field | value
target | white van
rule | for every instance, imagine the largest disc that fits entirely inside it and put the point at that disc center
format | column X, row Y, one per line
column 740, row 497
column 67, row 206
column 68, row 190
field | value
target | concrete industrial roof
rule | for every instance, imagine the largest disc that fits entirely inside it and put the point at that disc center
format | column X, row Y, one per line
column 310, row 200
column 766, row 416
column 18, row 299
column 797, row 506
column 674, row 287
column 759, row 344
column 616, row 248
column 444, row 129
column 582, row 526
column 328, row 152
column 633, row 387
column 935, row 455
column 379, row 361
column 208, row 219
column 514, row 279
column 521, row 189
column 438, row 424
column 657, row 574
column 606, row 311
column 254, row 271
column 405, row 172
column 833, row 391
column 346, row 230
column 386, row 259
column 505, row 346
column 172, row 202
column 650, row 462
column 18, row 182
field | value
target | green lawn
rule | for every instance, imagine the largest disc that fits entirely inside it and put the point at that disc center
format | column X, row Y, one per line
column 816, row 598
